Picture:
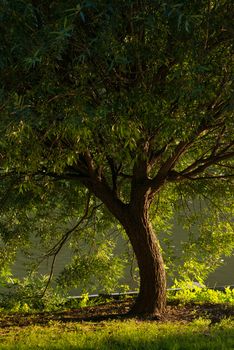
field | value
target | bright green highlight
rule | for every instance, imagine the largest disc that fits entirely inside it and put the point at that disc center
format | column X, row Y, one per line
column 131, row 334
column 203, row 295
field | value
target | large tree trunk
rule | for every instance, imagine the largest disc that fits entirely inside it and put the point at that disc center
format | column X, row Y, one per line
column 134, row 217
column 151, row 299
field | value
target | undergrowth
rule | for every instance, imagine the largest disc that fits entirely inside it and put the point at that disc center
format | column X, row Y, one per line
column 202, row 295
column 27, row 297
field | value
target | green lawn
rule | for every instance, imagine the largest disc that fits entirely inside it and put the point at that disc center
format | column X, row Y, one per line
column 122, row 335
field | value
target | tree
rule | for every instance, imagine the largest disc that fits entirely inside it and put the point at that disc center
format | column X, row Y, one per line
column 129, row 99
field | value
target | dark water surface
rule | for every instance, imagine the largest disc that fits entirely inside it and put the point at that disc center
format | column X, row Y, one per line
column 224, row 275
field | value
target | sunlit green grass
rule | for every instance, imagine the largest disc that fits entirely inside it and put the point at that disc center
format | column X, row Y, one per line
column 128, row 334
column 122, row 335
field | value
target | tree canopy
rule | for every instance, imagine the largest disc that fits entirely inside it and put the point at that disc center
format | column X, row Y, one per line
column 130, row 102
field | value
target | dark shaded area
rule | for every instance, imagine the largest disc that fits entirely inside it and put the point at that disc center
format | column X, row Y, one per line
column 119, row 310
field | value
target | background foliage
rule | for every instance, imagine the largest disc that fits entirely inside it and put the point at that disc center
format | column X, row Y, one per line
column 77, row 75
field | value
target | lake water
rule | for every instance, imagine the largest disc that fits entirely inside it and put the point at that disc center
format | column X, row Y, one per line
column 224, row 275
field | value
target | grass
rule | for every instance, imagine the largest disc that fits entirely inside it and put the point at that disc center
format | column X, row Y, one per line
column 121, row 335
column 64, row 334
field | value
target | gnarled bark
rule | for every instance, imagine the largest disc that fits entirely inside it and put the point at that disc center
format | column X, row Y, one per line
column 134, row 217
column 151, row 299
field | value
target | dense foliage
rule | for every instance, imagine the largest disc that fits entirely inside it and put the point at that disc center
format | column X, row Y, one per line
column 126, row 103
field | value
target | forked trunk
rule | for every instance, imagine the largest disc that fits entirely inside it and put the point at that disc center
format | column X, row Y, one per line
column 134, row 217
column 151, row 299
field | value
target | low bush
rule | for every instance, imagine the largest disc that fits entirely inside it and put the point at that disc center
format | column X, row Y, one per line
column 202, row 295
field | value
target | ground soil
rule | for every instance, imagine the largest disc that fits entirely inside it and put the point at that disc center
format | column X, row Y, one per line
column 118, row 310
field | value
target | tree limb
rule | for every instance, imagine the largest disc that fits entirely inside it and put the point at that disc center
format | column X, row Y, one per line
column 54, row 251
column 207, row 163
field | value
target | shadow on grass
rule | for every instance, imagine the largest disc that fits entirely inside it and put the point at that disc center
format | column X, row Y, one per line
column 133, row 334
column 181, row 342
column 202, row 341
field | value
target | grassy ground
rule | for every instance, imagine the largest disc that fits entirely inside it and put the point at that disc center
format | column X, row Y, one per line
column 129, row 334
column 194, row 320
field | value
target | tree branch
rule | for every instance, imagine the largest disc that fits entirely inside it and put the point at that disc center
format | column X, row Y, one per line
column 207, row 163
column 55, row 250
column 162, row 174
column 114, row 174
column 210, row 177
